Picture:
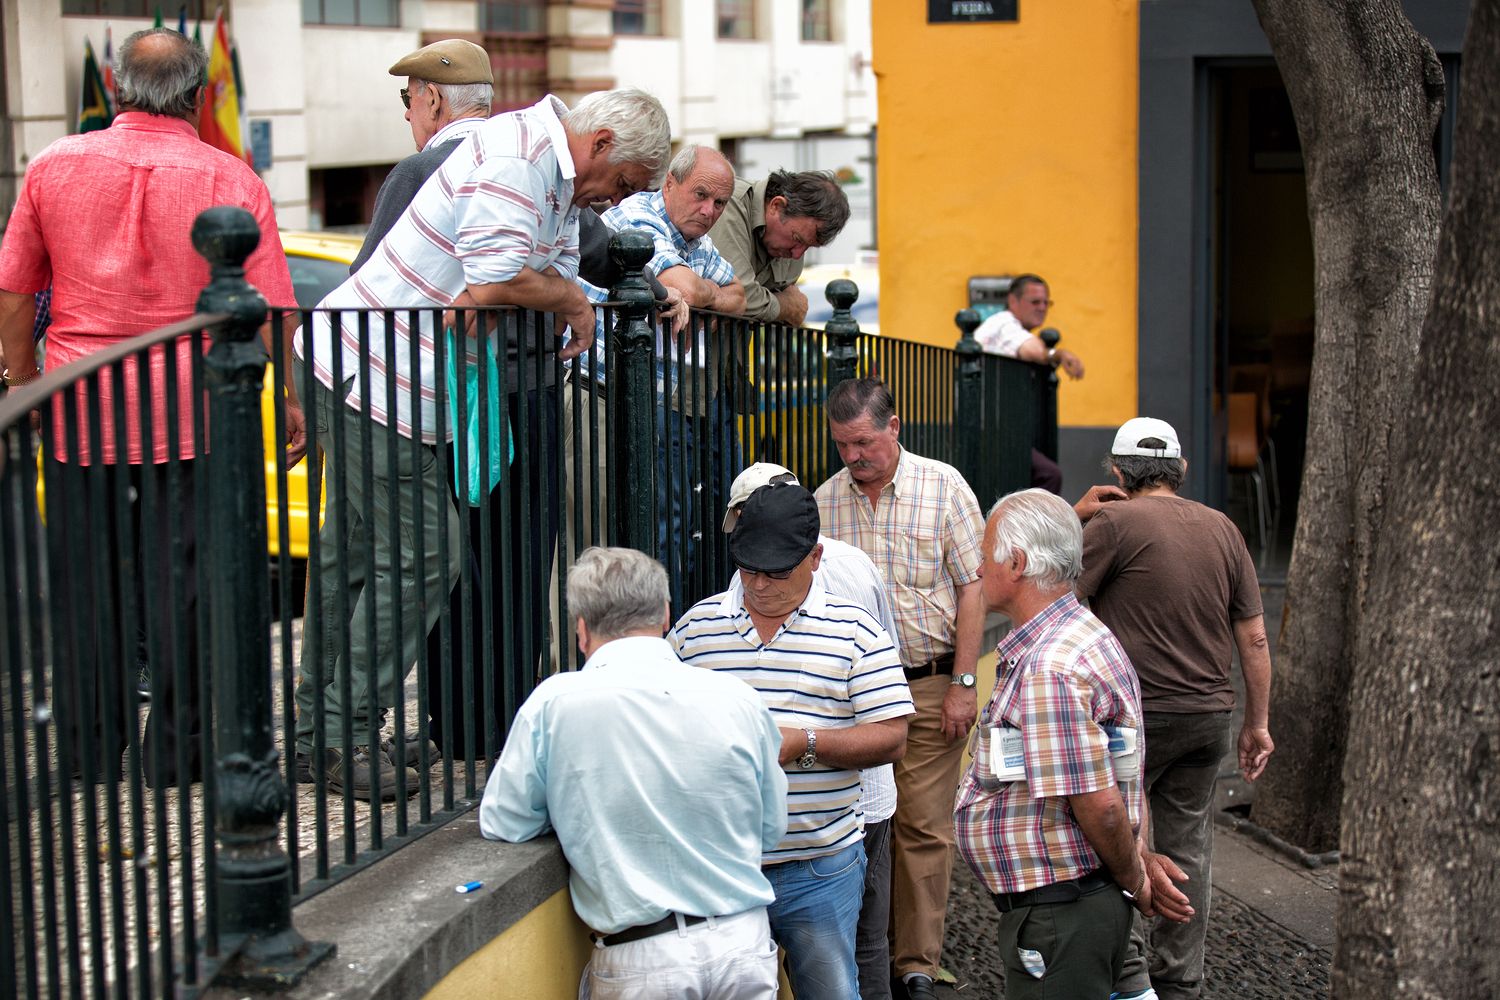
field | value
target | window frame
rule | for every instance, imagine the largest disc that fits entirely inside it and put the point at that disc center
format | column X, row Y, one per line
column 740, row 12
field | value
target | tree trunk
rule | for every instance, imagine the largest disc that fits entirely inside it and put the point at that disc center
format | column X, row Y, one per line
column 1420, row 891
column 1366, row 91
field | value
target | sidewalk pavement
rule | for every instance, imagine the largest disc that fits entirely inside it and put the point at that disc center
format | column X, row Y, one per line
column 1270, row 934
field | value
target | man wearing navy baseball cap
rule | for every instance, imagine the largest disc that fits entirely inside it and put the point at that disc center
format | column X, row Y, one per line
column 777, row 629
column 1174, row 582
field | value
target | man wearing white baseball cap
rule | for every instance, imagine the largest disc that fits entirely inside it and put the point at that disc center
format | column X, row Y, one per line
column 847, row 572
column 1174, row 582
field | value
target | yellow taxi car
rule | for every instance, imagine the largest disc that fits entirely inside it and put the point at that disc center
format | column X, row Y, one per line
column 319, row 262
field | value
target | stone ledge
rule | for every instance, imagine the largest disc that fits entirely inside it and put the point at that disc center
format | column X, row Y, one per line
column 400, row 927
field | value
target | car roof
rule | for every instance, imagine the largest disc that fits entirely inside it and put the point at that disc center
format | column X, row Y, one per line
column 339, row 247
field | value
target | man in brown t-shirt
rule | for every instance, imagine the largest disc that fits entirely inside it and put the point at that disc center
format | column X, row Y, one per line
column 1174, row 582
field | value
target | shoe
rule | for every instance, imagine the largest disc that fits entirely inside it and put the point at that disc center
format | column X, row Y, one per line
column 1149, row 993
column 358, row 774
column 412, row 752
column 920, row 987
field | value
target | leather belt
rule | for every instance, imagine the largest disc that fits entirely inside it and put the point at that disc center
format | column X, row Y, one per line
column 642, row 931
column 942, row 665
column 1066, row 891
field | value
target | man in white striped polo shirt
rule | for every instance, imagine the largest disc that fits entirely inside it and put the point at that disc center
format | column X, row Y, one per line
column 497, row 224
column 832, row 680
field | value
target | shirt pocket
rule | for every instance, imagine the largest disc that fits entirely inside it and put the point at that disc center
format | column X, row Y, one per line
column 922, row 555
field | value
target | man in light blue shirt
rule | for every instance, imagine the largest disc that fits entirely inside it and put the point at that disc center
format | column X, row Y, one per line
column 664, row 786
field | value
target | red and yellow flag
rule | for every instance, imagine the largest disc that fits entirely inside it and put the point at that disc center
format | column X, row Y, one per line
column 219, row 123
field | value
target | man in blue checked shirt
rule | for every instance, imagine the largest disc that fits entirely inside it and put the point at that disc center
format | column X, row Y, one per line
column 833, row 681
column 698, row 185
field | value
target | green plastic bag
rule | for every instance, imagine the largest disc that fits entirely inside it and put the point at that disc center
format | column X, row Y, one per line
column 485, row 470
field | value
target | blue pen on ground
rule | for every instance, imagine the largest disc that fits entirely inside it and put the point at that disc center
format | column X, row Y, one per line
column 468, row 887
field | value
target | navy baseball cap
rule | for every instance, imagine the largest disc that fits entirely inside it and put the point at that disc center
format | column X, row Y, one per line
column 778, row 526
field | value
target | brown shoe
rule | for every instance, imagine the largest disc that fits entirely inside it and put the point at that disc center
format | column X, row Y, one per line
column 356, row 771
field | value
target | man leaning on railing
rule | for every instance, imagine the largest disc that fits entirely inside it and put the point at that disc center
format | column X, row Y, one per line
column 496, row 225
column 104, row 219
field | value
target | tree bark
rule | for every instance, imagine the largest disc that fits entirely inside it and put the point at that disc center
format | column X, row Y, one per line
column 1420, row 891
column 1366, row 91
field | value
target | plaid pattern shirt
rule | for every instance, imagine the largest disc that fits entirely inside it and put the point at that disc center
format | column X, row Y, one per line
column 647, row 212
column 1063, row 679
column 923, row 536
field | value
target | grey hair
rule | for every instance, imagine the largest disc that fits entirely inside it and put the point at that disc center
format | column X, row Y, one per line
column 642, row 132
column 617, row 591
column 162, row 80
column 1043, row 527
column 464, row 98
column 1142, row 472
column 686, row 161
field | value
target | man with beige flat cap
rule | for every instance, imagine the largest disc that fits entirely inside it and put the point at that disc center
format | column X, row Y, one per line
column 448, row 92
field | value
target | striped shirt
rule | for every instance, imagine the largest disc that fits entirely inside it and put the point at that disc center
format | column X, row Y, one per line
column 924, row 537
column 502, row 201
column 647, row 212
column 1063, row 678
column 829, row 666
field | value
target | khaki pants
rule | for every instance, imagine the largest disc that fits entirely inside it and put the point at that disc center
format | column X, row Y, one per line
column 922, row 832
column 578, row 496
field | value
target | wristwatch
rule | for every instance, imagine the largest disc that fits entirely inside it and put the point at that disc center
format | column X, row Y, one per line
column 810, row 755
column 963, row 680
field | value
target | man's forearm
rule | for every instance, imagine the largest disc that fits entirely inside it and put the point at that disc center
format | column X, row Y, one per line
column 17, row 318
column 1106, row 826
column 698, row 291
column 543, row 291
column 968, row 628
column 729, row 298
column 760, row 302
column 1255, row 663
column 864, row 745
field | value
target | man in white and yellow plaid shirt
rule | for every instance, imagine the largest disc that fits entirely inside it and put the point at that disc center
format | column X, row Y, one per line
column 918, row 521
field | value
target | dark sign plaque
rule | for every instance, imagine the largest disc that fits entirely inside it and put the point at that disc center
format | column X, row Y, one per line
column 970, row 11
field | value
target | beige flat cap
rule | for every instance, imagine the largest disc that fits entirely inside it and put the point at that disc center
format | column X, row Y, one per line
column 452, row 60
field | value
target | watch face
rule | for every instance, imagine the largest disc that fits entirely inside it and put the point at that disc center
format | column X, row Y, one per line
column 806, row 761
column 964, row 680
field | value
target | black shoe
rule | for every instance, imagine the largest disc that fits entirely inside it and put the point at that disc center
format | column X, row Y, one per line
column 920, row 987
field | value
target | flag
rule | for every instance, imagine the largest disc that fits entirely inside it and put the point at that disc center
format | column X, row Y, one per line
column 158, row 23
column 109, row 66
column 219, row 123
column 93, row 102
column 198, row 33
column 182, row 20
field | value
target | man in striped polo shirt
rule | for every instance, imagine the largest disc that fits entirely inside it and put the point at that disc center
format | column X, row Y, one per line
column 832, row 680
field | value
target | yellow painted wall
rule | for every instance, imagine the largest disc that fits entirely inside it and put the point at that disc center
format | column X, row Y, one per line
column 540, row 957
column 1013, row 147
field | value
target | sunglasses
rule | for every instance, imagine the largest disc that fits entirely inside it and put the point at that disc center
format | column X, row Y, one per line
column 783, row 575
column 406, row 98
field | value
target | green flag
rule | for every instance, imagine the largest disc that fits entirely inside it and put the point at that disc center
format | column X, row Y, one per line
column 93, row 101
column 158, row 23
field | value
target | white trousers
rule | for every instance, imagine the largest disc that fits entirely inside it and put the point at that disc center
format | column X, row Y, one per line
column 723, row 958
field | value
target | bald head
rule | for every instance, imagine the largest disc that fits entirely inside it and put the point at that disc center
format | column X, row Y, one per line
column 697, row 187
column 160, row 73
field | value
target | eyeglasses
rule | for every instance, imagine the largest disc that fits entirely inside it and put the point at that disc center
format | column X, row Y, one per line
column 783, row 575
column 406, row 98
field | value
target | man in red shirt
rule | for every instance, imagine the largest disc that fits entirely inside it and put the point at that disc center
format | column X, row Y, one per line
column 105, row 219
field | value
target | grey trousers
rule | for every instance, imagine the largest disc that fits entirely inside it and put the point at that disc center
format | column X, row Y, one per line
column 1065, row 950
column 1182, row 760
column 872, row 945
column 381, row 593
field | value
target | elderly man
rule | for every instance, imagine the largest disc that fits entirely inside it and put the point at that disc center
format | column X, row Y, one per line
column 1048, row 811
column 767, row 227
column 1174, row 581
column 828, row 673
column 849, row 573
column 663, row 845
column 447, row 95
column 112, row 211
column 918, row 521
column 1009, row 333
column 497, row 225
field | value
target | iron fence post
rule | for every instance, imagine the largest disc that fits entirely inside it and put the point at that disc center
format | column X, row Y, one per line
column 1047, row 414
column 632, row 396
column 842, row 330
column 260, row 946
column 968, row 397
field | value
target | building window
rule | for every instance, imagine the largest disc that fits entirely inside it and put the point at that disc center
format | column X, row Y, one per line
column 365, row 13
column 513, row 17
column 736, row 18
column 817, row 21
column 638, row 17
column 197, row 10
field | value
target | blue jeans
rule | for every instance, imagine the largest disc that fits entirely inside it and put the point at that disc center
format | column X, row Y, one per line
column 814, row 918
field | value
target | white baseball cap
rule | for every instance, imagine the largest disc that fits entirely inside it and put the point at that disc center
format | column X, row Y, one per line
column 747, row 482
column 1132, row 432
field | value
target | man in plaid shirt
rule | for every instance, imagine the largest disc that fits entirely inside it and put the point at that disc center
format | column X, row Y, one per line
column 1049, row 813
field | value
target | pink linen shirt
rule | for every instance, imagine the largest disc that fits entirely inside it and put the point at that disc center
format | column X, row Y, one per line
column 105, row 219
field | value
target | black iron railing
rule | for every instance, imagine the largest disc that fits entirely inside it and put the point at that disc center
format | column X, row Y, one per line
column 157, row 831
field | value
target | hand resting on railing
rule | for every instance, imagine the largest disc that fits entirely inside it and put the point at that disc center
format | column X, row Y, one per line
column 543, row 291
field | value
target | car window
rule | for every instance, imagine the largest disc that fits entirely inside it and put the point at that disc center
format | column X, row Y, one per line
column 313, row 278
